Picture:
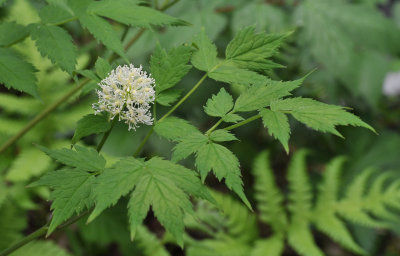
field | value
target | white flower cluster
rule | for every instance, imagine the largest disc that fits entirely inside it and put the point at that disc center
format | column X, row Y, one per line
column 127, row 92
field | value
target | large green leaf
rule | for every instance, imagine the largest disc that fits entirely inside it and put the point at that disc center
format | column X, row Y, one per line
column 17, row 73
column 55, row 43
column 90, row 124
column 11, row 33
column 205, row 58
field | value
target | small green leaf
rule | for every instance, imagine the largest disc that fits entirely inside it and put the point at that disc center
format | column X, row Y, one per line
column 86, row 159
column 229, row 73
column 278, row 126
column 250, row 50
column 220, row 104
column 129, row 13
column 53, row 14
column 173, row 128
column 16, row 73
column 224, row 165
column 232, row 118
column 11, row 33
column 259, row 96
column 102, row 67
column 205, row 58
column 168, row 68
column 90, row 124
column 55, row 43
column 222, row 135
column 317, row 115
column 166, row 98
column 188, row 145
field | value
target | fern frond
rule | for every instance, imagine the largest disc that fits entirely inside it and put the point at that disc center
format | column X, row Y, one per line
column 268, row 195
column 301, row 238
column 272, row 246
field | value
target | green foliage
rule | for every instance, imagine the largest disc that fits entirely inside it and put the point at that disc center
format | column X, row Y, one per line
column 17, row 73
column 90, row 124
column 278, row 126
column 205, row 58
column 55, row 43
column 323, row 209
column 11, row 33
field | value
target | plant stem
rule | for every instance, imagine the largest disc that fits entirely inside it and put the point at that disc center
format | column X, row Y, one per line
column 184, row 98
column 38, row 233
column 248, row 120
column 42, row 115
column 106, row 134
column 214, row 127
column 65, row 21
column 146, row 138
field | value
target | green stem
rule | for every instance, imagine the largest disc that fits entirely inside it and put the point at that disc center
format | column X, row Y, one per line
column 214, row 127
column 184, row 98
column 42, row 115
column 105, row 136
column 38, row 233
column 248, row 120
column 149, row 133
column 169, row 113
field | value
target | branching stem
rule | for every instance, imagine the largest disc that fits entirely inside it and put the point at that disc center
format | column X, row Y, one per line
column 248, row 120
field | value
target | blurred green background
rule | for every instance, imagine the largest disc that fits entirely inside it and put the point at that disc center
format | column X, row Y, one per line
column 354, row 45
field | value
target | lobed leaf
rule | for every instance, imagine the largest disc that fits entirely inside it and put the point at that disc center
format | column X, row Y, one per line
column 90, row 124
column 278, row 126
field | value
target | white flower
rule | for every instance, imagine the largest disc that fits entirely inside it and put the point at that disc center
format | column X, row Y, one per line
column 128, row 93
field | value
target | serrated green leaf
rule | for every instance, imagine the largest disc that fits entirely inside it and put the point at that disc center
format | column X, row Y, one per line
column 250, row 50
column 224, row 164
column 53, row 14
column 222, row 135
column 205, row 58
column 129, row 13
column 55, row 43
column 166, row 98
column 188, row 145
column 168, row 68
column 317, row 115
column 158, row 183
column 102, row 67
column 90, row 124
column 11, row 33
column 17, row 73
column 232, row 118
column 124, row 175
column 259, row 96
column 103, row 32
column 278, row 126
column 220, row 104
column 228, row 73
column 83, row 158
column 72, row 193
column 173, row 128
